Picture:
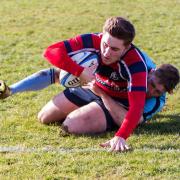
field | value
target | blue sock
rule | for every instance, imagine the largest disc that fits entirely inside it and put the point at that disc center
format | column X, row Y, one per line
column 34, row 82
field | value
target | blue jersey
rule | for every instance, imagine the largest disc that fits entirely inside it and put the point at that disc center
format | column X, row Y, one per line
column 155, row 104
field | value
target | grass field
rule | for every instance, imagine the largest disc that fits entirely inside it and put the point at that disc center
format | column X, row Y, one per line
column 26, row 29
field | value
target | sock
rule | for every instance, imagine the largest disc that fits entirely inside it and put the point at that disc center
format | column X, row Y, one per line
column 34, row 82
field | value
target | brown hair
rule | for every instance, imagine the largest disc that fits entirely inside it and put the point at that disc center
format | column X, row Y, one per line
column 168, row 76
column 120, row 28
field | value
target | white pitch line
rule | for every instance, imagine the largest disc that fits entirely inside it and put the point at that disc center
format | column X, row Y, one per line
column 19, row 149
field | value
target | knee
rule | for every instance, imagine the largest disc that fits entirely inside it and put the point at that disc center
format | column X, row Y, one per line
column 65, row 128
column 68, row 126
column 42, row 118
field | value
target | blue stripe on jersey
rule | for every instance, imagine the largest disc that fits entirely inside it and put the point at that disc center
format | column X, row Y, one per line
column 138, row 88
column 87, row 40
column 68, row 46
column 123, row 71
column 137, row 67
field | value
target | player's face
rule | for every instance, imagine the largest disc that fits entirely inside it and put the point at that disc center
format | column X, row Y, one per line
column 111, row 48
column 155, row 89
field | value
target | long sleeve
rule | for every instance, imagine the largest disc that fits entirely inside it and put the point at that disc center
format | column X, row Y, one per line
column 59, row 54
column 137, row 85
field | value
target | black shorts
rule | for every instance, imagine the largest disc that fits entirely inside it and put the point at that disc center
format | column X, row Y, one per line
column 81, row 97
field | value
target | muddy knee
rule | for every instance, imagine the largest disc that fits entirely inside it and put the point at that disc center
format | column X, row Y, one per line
column 65, row 128
column 69, row 126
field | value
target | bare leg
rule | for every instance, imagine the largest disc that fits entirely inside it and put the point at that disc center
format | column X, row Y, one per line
column 88, row 119
column 56, row 110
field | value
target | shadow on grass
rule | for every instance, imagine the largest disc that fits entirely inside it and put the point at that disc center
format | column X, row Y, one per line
column 171, row 126
column 155, row 127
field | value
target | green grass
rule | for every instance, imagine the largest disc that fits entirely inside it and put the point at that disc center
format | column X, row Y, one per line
column 26, row 29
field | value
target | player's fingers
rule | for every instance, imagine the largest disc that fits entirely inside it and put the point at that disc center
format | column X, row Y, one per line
column 112, row 148
column 106, row 144
column 93, row 82
column 84, row 83
column 94, row 67
column 89, row 85
column 85, row 86
column 117, row 148
column 127, row 147
column 122, row 148
column 95, row 64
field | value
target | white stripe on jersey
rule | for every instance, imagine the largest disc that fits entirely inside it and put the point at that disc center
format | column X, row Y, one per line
column 144, row 65
column 129, row 74
column 119, row 67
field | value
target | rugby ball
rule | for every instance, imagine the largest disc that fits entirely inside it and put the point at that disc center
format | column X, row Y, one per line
column 85, row 59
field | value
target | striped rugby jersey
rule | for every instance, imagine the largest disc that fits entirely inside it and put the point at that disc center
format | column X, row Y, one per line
column 125, row 80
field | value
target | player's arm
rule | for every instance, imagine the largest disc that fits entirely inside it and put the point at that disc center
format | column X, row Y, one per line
column 152, row 106
column 118, row 142
column 59, row 53
column 137, row 73
column 116, row 109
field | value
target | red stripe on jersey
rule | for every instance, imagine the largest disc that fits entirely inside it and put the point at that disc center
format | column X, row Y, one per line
column 96, row 40
column 132, row 57
column 139, row 79
column 76, row 43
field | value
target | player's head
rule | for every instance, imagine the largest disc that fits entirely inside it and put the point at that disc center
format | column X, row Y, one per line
column 120, row 28
column 118, row 33
column 164, row 79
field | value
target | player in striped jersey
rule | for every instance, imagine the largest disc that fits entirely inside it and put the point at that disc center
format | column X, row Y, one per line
column 122, row 74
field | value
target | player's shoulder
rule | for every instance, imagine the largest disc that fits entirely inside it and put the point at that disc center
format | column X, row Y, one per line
column 134, row 61
column 93, row 35
column 133, row 56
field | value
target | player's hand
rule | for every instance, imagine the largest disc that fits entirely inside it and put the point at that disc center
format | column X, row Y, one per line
column 88, row 74
column 116, row 144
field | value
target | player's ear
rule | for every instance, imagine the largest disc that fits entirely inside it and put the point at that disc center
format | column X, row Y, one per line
column 151, row 73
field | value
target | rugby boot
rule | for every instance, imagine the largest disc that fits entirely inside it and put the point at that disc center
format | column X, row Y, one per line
column 4, row 90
